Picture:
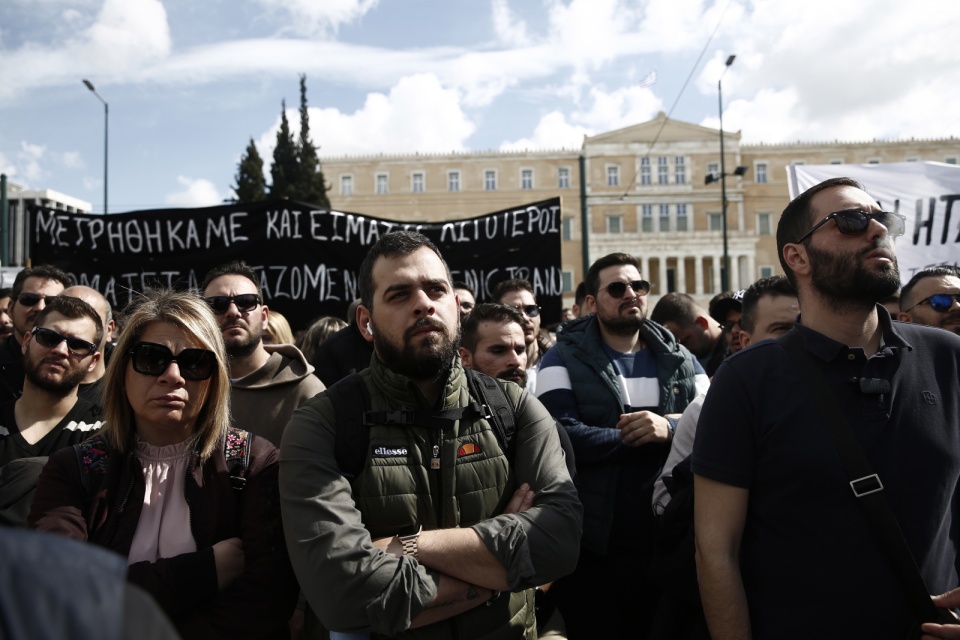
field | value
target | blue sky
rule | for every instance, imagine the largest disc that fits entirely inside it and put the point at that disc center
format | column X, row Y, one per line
column 189, row 82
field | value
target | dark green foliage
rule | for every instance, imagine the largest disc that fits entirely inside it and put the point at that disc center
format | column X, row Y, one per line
column 251, row 185
column 309, row 186
column 286, row 162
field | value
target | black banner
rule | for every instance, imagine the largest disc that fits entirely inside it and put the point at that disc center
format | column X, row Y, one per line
column 308, row 260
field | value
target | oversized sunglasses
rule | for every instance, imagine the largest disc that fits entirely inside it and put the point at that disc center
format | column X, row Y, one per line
column 855, row 221
column 245, row 302
column 151, row 359
column 939, row 302
column 530, row 310
column 618, row 288
column 49, row 338
column 31, row 299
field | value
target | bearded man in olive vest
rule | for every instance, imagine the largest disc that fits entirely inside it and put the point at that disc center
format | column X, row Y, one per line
column 441, row 533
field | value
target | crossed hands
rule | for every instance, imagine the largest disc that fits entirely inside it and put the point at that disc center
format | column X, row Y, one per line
column 642, row 427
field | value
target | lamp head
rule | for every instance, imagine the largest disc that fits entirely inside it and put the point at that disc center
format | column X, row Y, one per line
column 739, row 171
column 89, row 85
column 730, row 60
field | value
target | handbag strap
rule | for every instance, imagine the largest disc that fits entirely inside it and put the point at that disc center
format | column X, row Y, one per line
column 864, row 482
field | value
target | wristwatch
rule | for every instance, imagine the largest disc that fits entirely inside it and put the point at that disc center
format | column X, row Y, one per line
column 411, row 544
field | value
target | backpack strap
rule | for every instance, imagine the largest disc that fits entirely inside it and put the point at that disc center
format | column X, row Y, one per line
column 494, row 406
column 237, row 453
column 351, row 402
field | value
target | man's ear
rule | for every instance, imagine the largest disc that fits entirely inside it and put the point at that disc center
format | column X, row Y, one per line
column 744, row 339
column 26, row 340
column 702, row 322
column 364, row 323
column 93, row 361
column 266, row 315
column 466, row 357
column 797, row 259
column 589, row 304
column 903, row 316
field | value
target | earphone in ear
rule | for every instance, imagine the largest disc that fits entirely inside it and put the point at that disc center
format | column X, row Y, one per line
column 369, row 329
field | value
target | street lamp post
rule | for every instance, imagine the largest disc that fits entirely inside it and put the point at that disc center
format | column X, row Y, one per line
column 725, row 276
column 106, row 126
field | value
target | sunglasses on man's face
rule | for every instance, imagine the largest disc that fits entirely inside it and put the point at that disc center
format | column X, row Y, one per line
column 529, row 310
column 245, row 302
column 618, row 288
column 939, row 302
column 49, row 338
column 31, row 299
column 151, row 359
column 855, row 221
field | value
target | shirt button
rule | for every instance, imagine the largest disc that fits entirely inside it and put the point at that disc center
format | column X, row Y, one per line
column 851, row 356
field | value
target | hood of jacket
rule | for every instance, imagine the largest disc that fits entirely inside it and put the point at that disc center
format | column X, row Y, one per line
column 285, row 365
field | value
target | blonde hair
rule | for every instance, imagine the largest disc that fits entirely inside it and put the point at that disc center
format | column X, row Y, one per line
column 279, row 328
column 318, row 333
column 190, row 313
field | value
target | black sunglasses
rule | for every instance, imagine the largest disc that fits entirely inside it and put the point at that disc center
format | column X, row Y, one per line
column 618, row 288
column 31, row 299
column 49, row 338
column 530, row 310
column 245, row 302
column 854, row 221
column 939, row 302
column 152, row 359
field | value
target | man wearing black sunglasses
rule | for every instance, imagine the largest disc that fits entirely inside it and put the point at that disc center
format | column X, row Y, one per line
column 31, row 289
column 932, row 297
column 618, row 382
column 268, row 382
column 59, row 350
column 778, row 520
column 518, row 293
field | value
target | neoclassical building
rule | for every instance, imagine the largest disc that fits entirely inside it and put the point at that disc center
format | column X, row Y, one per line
column 641, row 189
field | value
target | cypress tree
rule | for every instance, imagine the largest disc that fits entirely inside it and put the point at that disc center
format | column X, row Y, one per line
column 251, row 185
column 310, row 186
column 285, row 168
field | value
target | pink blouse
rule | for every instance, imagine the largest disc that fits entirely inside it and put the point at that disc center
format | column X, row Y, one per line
column 164, row 527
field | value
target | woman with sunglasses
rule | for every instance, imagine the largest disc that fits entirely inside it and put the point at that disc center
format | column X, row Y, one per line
column 191, row 502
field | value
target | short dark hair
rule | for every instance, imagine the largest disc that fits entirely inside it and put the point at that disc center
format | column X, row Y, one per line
column 460, row 284
column 232, row 268
column 391, row 245
column 74, row 309
column 487, row 312
column 43, row 271
column 675, row 307
column 513, row 284
column 592, row 280
column 772, row 286
column 796, row 219
column 580, row 294
column 933, row 272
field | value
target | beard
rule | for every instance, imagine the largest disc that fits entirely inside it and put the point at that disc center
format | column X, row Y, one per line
column 619, row 325
column 431, row 360
column 71, row 378
column 514, row 375
column 241, row 346
column 845, row 284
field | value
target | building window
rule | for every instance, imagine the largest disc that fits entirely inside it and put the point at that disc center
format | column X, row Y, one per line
column 646, row 218
column 490, row 180
column 713, row 169
column 613, row 175
column 873, row 160
column 563, row 178
column 453, row 181
column 682, row 224
column 645, row 171
column 836, row 161
column 766, row 272
column 416, row 182
column 716, row 221
column 679, row 170
column 760, row 172
column 381, row 183
column 950, row 160
column 346, row 185
column 568, row 228
column 763, row 224
column 664, row 217
column 526, row 179
column 663, row 170
column 615, row 224
column 567, row 279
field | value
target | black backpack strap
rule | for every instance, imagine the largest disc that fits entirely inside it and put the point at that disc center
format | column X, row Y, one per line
column 237, row 453
column 494, row 406
column 351, row 402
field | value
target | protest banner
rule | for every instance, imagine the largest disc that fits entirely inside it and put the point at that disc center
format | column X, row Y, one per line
column 308, row 259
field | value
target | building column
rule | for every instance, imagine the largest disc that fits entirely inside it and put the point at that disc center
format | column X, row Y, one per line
column 734, row 279
column 698, row 274
column 717, row 264
column 751, row 269
column 645, row 267
column 681, row 274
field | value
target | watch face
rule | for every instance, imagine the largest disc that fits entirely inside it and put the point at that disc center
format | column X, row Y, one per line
column 409, row 531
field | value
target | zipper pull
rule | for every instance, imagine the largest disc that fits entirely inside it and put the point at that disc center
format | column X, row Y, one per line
column 435, row 460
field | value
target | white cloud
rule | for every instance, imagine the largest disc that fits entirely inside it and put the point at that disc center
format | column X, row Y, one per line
column 197, row 192
column 509, row 28
column 30, row 156
column 7, row 167
column 552, row 132
column 313, row 17
column 418, row 115
column 71, row 159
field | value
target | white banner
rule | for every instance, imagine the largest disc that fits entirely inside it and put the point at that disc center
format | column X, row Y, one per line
column 927, row 193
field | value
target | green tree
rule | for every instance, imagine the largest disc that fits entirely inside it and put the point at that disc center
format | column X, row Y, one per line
column 251, row 185
column 286, row 163
column 310, row 186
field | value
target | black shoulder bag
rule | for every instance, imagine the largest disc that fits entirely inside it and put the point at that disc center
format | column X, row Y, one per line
column 866, row 487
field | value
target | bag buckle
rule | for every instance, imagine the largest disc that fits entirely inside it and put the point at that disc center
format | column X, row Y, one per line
column 866, row 485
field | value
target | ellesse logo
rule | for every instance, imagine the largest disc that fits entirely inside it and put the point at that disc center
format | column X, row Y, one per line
column 389, row 452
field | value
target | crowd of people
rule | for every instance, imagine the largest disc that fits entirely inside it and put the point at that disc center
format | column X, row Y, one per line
column 434, row 467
